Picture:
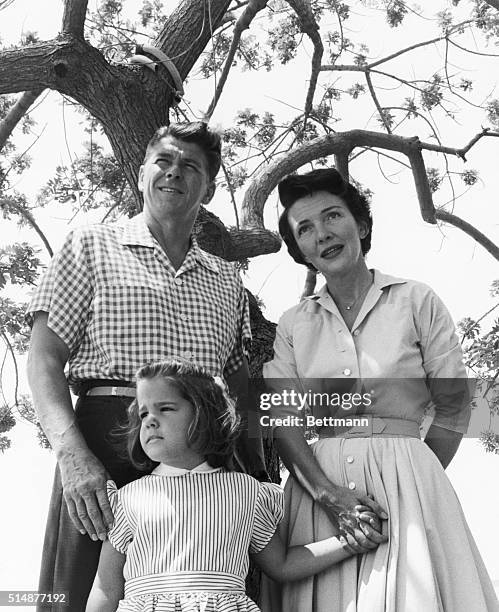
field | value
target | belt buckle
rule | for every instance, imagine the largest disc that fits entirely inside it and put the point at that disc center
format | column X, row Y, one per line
column 114, row 390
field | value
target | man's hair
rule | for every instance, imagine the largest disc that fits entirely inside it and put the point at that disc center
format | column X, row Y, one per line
column 296, row 186
column 214, row 428
column 198, row 132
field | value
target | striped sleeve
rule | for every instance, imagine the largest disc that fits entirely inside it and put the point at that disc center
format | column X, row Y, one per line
column 269, row 511
column 120, row 535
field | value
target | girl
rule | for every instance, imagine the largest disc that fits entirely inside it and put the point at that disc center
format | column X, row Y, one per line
column 182, row 534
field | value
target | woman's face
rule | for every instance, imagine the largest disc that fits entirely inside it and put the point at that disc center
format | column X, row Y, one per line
column 327, row 233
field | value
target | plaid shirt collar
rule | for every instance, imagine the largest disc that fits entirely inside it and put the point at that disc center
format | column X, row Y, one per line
column 136, row 233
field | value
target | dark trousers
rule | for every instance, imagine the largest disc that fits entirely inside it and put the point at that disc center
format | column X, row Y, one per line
column 69, row 559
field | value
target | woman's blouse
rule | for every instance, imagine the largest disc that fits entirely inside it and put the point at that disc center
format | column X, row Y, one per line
column 402, row 350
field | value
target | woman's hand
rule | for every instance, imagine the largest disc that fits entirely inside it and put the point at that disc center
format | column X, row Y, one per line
column 354, row 515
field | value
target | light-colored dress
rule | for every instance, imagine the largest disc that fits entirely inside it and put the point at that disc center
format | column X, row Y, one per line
column 186, row 536
column 404, row 349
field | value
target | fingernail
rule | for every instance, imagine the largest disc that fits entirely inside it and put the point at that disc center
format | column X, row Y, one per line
column 102, row 536
column 384, row 515
column 82, row 531
column 94, row 537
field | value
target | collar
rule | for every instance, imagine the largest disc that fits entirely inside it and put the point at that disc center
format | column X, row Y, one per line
column 136, row 233
column 202, row 257
column 380, row 281
column 168, row 470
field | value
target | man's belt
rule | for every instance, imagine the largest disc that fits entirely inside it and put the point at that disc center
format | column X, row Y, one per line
column 116, row 391
column 99, row 386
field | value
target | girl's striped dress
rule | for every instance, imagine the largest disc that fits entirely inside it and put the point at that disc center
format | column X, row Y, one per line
column 187, row 535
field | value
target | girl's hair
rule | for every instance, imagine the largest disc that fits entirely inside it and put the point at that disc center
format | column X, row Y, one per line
column 214, row 428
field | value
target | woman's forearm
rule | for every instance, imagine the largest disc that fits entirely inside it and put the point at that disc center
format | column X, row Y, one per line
column 300, row 461
column 444, row 443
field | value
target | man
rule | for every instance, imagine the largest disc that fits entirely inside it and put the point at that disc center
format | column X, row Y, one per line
column 113, row 299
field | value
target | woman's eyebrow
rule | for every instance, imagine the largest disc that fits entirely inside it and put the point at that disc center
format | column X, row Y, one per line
column 324, row 210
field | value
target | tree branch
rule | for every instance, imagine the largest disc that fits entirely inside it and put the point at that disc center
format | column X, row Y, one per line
column 341, row 144
column 493, row 3
column 243, row 23
column 424, row 43
column 16, row 113
column 73, row 20
column 377, row 104
column 464, row 150
column 189, row 29
column 341, row 163
column 452, row 219
column 31, row 221
column 310, row 27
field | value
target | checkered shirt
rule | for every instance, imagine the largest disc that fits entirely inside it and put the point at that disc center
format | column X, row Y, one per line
column 116, row 301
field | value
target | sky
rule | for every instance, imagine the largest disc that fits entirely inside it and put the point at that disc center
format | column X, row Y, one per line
column 458, row 269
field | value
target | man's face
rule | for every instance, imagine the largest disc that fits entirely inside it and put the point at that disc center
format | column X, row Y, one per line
column 174, row 180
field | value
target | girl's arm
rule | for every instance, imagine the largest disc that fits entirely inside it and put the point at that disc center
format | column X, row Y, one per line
column 107, row 589
column 303, row 561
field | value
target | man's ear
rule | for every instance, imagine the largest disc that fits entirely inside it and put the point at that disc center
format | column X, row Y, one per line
column 210, row 192
column 140, row 181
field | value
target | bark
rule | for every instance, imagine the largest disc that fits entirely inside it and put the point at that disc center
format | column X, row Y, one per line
column 189, row 29
column 128, row 101
column 233, row 244
column 73, row 20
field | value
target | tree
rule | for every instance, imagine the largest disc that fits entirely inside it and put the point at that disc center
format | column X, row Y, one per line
column 126, row 90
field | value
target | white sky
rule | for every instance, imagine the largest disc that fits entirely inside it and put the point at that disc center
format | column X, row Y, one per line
column 458, row 269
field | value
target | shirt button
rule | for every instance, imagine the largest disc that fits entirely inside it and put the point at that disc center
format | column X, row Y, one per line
column 351, row 486
column 356, row 332
column 350, row 459
column 187, row 355
column 184, row 317
column 178, row 281
column 347, row 371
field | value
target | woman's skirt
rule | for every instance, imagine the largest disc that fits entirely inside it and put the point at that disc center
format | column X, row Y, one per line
column 430, row 563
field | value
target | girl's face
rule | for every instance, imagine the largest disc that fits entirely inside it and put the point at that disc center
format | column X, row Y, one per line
column 165, row 419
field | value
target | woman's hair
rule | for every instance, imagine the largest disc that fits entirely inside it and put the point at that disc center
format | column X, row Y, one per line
column 296, row 186
column 197, row 132
column 214, row 428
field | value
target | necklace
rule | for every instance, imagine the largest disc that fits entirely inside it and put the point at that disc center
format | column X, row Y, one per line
column 361, row 295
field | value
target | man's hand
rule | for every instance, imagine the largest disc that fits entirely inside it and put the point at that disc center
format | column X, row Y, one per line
column 84, row 484
column 354, row 515
column 83, row 476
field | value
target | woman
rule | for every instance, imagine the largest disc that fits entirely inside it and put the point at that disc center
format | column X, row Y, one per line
column 395, row 340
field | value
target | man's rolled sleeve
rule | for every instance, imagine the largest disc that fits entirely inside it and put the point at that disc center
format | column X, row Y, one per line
column 65, row 292
column 243, row 335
